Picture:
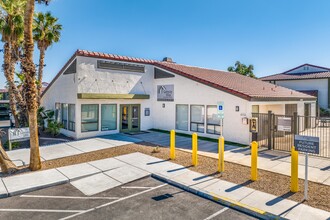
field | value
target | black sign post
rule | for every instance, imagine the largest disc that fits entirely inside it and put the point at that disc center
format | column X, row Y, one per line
column 307, row 144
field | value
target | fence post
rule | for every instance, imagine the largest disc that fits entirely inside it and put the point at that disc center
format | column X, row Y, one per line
column 194, row 149
column 270, row 123
column 295, row 123
column 294, row 170
column 254, row 161
column 172, row 144
column 221, row 151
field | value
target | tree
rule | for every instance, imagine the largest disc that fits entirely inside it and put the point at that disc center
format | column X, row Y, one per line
column 7, row 166
column 46, row 31
column 242, row 69
column 11, row 26
column 30, row 87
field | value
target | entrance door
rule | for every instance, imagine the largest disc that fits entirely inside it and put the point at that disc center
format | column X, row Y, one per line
column 129, row 118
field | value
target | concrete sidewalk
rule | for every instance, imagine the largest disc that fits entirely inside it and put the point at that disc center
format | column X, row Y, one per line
column 97, row 176
column 274, row 161
column 22, row 156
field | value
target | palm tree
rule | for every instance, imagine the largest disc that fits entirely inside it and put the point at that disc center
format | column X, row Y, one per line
column 242, row 69
column 30, row 87
column 46, row 31
column 11, row 26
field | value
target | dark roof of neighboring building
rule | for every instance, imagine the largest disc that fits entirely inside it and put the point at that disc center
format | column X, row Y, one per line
column 283, row 76
column 298, row 76
column 307, row 64
column 233, row 83
column 310, row 92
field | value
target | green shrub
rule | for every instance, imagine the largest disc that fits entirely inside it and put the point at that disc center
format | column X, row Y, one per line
column 54, row 127
column 13, row 145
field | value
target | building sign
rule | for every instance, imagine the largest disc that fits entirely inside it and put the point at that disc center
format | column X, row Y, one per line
column 254, row 125
column 165, row 93
column 221, row 111
column 307, row 144
column 18, row 134
column 284, row 124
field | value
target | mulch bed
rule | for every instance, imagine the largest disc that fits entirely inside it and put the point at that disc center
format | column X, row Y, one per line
column 272, row 183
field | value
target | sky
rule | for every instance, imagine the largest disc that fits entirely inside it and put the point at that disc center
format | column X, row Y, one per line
column 272, row 35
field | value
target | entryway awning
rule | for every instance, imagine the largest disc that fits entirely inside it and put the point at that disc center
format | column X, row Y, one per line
column 111, row 96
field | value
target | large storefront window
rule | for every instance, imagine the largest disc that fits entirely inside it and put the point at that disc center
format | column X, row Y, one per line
column 89, row 117
column 197, row 116
column 64, row 115
column 213, row 120
column 181, row 119
column 71, row 118
column 108, row 117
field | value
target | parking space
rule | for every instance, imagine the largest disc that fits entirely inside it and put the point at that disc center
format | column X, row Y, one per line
column 146, row 198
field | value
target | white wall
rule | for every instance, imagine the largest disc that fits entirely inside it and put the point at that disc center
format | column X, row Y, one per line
column 311, row 84
column 187, row 91
column 94, row 80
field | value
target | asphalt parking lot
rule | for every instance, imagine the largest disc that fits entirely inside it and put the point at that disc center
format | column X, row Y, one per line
column 146, row 198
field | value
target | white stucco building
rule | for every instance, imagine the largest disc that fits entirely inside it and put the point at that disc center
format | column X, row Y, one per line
column 307, row 78
column 98, row 94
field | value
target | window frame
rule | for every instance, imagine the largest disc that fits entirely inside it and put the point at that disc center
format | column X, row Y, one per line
column 65, row 125
column 212, row 124
column 98, row 119
column 74, row 118
column 116, row 123
column 177, row 117
column 198, row 123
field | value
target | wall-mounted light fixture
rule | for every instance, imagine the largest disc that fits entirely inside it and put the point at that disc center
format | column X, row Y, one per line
column 237, row 108
column 163, row 105
column 147, row 112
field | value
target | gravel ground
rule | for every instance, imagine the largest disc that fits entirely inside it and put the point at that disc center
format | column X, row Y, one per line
column 273, row 183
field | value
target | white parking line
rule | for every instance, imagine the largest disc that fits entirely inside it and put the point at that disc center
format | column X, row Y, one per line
column 136, row 187
column 113, row 202
column 39, row 210
column 217, row 213
column 69, row 197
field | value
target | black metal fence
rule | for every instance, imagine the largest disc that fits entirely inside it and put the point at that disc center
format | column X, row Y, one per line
column 272, row 137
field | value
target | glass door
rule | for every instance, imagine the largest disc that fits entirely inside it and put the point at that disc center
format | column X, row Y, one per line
column 124, row 118
column 135, row 119
column 129, row 118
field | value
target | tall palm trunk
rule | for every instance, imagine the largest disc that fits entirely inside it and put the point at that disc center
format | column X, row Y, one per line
column 8, row 65
column 40, row 72
column 30, row 87
column 7, row 166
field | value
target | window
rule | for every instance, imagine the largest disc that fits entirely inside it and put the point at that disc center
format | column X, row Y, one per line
column 57, row 112
column 197, row 116
column 64, row 115
column 160, row 74
column 71, row 118
column 108, row 117
column 89, row 117
column 101, row 64
column 213, row 120
column 181, row 119
column 72, row 68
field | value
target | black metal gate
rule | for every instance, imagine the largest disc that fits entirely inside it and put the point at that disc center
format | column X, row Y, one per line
column 270, row 136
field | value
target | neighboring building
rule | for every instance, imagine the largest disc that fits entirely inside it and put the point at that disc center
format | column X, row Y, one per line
column 4, row 106
column 307, row 78
column 98, row 94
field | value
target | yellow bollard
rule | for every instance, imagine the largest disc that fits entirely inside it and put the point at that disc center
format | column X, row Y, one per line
column 194, row 149
column 254, row 161
column 221, row 151
column 294, row 170
column 172, row 144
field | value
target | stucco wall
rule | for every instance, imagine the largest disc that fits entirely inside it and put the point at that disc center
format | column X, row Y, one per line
column 187, row 91
column 312, row 84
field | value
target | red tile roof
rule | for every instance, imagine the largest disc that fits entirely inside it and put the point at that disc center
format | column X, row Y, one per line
column 236, row 84
column 3, row 90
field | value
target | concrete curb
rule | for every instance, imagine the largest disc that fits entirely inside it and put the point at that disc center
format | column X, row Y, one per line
column 255, row 212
